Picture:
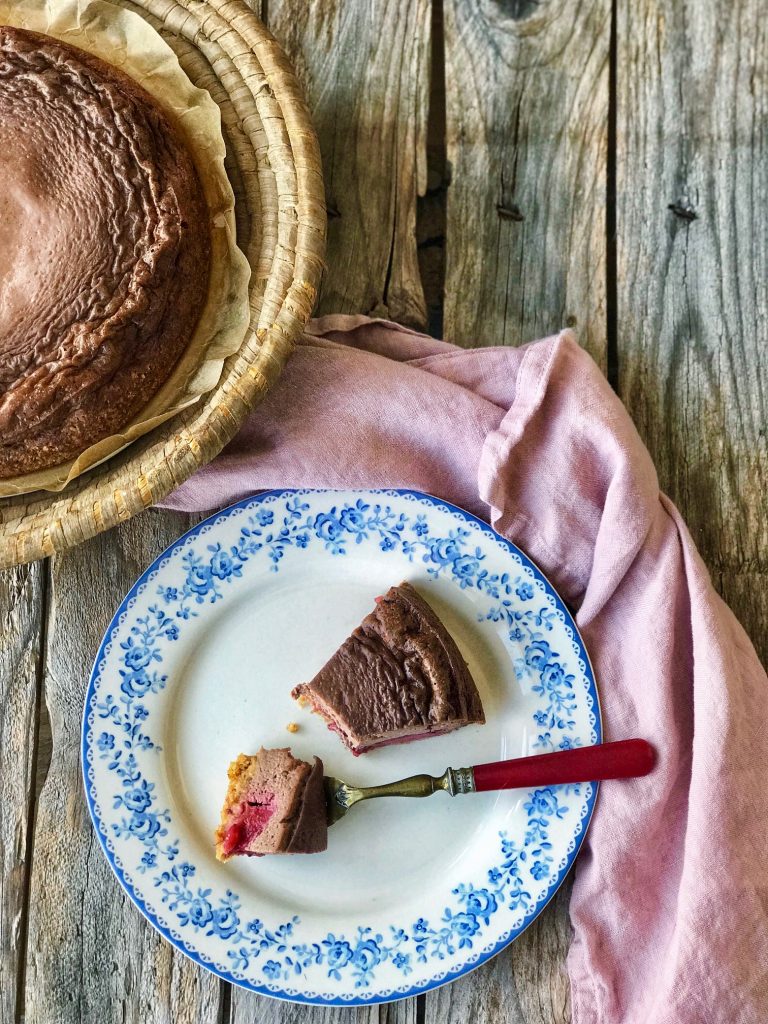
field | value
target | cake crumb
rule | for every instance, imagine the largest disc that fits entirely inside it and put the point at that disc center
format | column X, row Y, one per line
column 302, row 701
column 292, row 727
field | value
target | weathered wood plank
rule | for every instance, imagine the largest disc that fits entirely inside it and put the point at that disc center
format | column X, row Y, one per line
column 527, row 137
column 258, row 1010
column 21, row 616
column 692, row 250
column 364, row 68
column 91, row 956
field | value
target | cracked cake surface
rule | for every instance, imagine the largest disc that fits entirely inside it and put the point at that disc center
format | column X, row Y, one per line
column 400, row 676
column 275, row 803
column 104, row 250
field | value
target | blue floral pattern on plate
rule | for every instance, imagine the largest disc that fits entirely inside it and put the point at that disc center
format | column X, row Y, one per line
column 365, row 963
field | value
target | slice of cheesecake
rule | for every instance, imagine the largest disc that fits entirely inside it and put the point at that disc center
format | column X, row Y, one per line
column 398, row 677
column 274, row 804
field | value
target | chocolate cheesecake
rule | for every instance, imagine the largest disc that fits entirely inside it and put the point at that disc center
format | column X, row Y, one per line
column 104, row 250
column 275, row 803
column 398, row 677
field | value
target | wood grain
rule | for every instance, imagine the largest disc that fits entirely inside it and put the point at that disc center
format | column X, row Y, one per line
column 526, row 123
column 91, row 956
column 527, row 138
column 692, row 250
column 21, row 617
column 253, row 1009
column 365, row 71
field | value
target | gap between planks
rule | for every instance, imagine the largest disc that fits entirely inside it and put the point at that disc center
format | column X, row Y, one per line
column 42, row 744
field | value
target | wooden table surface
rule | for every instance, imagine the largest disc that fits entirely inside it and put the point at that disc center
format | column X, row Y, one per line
column 495, row 169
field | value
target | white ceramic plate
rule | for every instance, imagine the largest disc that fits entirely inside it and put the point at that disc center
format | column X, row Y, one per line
column 197, row 666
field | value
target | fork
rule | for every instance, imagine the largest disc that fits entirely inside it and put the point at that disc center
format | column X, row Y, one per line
column 624, row 759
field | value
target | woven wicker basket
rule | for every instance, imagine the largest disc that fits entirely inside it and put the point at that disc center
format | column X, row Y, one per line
column 274, row 166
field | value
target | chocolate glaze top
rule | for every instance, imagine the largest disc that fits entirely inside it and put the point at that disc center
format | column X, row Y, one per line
column 398, row 670
column 104, row 249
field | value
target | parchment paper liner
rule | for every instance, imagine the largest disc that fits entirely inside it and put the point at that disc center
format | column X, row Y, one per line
column 127, row 41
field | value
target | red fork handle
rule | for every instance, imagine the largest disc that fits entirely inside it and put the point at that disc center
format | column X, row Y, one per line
column 623, row 760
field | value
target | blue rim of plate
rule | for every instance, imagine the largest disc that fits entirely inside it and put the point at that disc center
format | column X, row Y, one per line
column 361, row 1000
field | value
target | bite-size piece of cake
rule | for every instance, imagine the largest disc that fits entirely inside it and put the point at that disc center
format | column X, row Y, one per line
column 275, row 803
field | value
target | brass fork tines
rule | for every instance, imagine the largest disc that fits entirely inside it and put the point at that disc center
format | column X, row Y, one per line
column 340, row 795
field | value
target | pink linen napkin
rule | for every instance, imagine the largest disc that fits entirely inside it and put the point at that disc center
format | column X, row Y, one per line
column 670, row 901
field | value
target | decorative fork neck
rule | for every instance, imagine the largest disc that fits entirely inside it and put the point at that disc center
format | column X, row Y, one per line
column 453, row 781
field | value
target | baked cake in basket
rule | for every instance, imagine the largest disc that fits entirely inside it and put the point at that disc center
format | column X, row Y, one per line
column 104, row 250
